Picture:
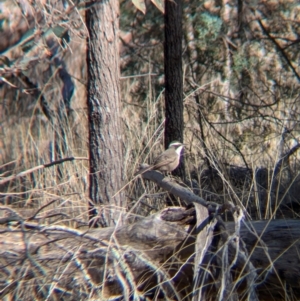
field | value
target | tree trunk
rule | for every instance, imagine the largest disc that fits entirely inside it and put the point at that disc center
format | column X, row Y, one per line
column 173, row 76
column 105, row 148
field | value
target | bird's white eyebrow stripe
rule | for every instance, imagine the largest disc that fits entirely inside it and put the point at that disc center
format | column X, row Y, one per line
column 175, row 144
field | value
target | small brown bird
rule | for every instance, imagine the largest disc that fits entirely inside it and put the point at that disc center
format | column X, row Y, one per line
column 166, row 161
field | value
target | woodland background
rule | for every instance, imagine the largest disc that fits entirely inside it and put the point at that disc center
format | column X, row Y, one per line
column 241, row 105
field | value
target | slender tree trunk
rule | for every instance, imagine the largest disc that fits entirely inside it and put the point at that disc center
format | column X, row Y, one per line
column 105, row 141
column 173, row 75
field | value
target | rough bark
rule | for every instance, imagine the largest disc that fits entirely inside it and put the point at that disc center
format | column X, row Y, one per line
column 105, row 148
column 173, row 76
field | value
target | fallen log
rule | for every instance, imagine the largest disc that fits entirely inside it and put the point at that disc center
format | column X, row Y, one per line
column 106, row 262
column 177, row 253
column 273, row 247
column 152, row 256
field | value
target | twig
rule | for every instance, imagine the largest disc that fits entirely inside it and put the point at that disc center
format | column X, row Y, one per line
column 285, row 158
column 31, row 170
column 13, row 216
column 281, row 50
column 40, row 209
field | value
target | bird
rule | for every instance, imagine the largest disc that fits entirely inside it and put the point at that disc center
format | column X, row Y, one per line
column 167, row 161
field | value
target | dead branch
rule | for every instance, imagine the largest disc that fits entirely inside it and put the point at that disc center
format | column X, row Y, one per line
column 31, row 170
column 176, row 189
column 284, row 158
column 280, row 49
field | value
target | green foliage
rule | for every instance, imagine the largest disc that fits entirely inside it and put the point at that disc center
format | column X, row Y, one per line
column 241, row 61
column 209, row 27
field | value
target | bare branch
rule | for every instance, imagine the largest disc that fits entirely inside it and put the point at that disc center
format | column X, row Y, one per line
column 284, row 55
column 284, row 159
column 31, row 170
